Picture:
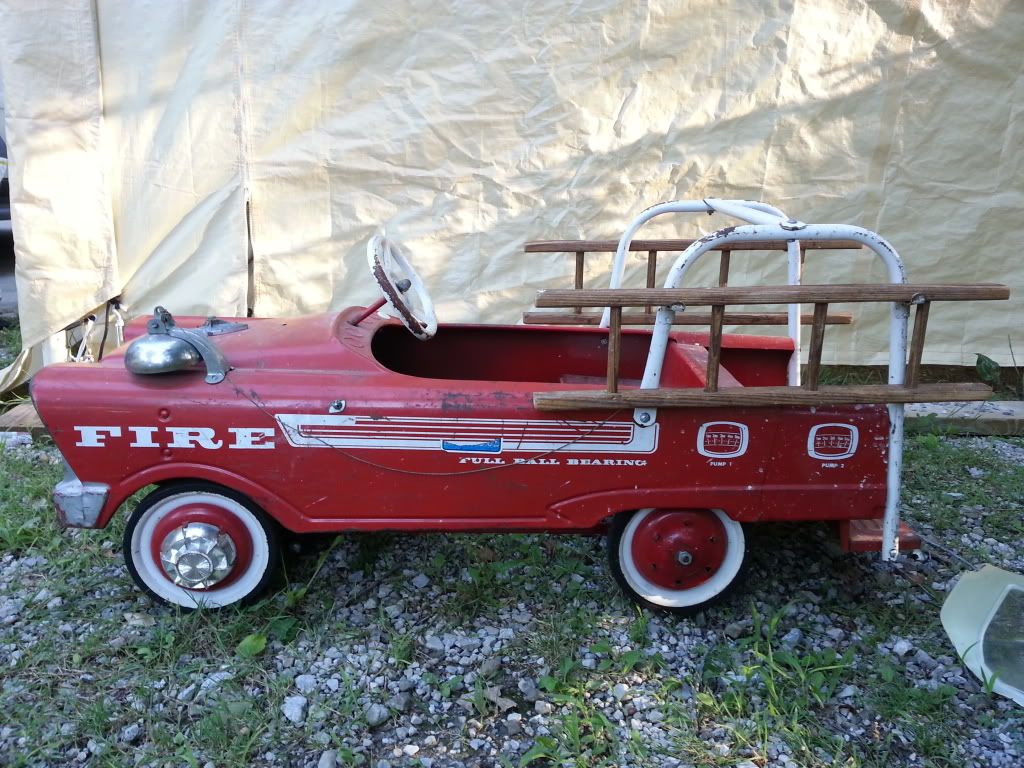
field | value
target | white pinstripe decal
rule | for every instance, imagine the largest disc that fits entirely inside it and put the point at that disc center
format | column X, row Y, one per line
column 486, row 436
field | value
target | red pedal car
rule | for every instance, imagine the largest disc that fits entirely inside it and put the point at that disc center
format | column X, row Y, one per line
column 670, row 441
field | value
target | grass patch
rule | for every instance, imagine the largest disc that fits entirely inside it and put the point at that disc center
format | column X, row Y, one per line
column 581, row 736
column 486, row 573
column 766, row 689
column 10, row 341
column 982, row 480
column 79, row 675
column 26, row 514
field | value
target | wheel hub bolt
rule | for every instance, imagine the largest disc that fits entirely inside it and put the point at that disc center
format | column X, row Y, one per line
column 684, row 558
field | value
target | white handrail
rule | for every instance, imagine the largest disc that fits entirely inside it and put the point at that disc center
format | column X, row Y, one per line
column 771, row 224
column 745, row 210
column 751, row 211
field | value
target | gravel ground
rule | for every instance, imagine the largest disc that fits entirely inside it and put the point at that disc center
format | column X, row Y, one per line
column 10, row 341
column 432, row 650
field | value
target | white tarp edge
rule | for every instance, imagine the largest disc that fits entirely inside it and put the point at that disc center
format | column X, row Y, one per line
column 140, row 132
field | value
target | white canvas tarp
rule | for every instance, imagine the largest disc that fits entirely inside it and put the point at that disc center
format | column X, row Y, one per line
column 142, row 132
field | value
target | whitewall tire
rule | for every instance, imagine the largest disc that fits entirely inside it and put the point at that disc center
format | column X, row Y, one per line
column 196, row 544
column 681, row 561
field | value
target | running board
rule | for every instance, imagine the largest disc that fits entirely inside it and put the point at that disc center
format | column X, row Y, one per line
column 759, row 397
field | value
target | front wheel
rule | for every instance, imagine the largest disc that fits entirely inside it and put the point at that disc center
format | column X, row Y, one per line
column 681, row 561
column 195, row 544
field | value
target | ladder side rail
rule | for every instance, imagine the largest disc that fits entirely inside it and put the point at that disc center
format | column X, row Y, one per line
column 675, row 245
column 836, row 293
column 682, row 318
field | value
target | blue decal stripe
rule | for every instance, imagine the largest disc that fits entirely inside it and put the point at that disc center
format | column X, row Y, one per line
column 491, row 446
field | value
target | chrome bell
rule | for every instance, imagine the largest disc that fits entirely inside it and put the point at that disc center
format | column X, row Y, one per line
column 160, row 353
column 166, row 348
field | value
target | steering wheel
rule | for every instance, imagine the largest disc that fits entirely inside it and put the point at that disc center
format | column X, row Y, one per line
column 402, row 288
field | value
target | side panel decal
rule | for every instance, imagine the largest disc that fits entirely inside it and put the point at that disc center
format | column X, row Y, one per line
column 417, row 433
column 830, row 442
column 723, row 439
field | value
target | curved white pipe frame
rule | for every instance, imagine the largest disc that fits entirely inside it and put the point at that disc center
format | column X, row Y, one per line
column 771, row 224
column 745, row 210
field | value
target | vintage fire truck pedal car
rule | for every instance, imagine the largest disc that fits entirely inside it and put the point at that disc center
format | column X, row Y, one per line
column 671, row 441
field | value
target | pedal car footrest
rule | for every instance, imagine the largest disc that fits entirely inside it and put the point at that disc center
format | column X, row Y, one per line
column 866, row 536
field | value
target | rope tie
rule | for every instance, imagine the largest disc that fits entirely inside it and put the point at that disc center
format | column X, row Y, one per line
column 83, row 355
column 118, row 323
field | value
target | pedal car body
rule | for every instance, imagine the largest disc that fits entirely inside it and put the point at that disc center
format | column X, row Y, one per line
column 347, row 422
column 329, row 426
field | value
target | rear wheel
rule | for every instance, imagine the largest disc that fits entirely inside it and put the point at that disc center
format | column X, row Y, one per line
column 197, row 544
column 681, row 561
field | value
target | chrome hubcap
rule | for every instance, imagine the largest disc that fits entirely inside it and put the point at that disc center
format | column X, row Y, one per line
column 197, row 555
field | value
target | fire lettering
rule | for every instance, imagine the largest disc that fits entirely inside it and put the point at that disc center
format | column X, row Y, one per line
column 206, row 438
column 94, row 437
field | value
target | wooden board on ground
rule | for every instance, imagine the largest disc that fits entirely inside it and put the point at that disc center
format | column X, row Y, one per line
column 991, row 417
column 22, row 418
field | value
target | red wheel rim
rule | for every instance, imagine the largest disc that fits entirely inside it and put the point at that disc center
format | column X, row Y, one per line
column 211, row 515
column 679, row 550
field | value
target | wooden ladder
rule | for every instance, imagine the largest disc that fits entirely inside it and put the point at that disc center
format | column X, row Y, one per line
column 810, row 393
column 581, row 249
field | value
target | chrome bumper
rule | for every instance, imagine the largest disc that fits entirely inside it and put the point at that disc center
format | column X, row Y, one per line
column 79, row 504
